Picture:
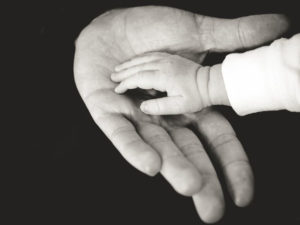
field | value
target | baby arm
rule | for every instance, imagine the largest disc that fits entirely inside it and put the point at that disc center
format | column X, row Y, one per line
column 264, row 79
column 189, row 86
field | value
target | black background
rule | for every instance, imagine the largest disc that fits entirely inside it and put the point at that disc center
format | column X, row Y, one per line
column 61, row 169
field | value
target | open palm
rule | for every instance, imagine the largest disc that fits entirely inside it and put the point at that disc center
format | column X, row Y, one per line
column 164, row 144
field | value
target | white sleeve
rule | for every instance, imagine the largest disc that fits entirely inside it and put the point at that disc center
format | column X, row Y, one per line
column 267, row 78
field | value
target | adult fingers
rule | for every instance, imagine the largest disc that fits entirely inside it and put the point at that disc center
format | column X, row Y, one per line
column 144, row 58
column 230, row 154
column 163, row 106
column 132, row 147
column 144, row 80
column 209, row 201
column 244, row 32
column 177, row 170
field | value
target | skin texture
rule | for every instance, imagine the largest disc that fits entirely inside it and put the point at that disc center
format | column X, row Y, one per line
column 169, row 73
column 155, row 144
column 189, row 86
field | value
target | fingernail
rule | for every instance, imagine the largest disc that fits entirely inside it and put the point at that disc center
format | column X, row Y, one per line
column 112, row 76
column 117, row 89
column 145, row 107
column 117, row 68
column 150, row 171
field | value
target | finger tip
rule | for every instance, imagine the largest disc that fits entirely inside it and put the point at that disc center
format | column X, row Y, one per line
column 244, row 198
column 274, row 25
column 191, row 187
column 151, row 170
column 151, row 164
column 187, row 190
column 213, row 212
column 282, row 22
column 145, row 108
column 113, row 77
column 210, row 204
column 279, row 24
column 242, row 201
column 212, row 217
column 189, row 182
column 118, row 90
column 242, row 186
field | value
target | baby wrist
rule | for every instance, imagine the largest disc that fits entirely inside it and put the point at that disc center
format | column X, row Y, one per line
column 211, row 86
column 202, row 79
column 216, row 88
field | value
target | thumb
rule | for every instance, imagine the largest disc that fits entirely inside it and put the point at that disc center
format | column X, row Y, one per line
column 244, row 32
column 163, row 106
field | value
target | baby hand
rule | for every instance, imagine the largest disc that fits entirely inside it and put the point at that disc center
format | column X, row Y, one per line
column 166, row 73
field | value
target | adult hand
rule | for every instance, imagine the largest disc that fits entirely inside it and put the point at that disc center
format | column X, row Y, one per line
column 164, row 144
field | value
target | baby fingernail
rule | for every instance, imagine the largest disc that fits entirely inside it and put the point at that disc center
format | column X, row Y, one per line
column 144, row 107
column 117, row 89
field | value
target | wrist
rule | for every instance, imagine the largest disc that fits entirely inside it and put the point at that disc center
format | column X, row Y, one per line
column 216, row 87
column 202, row 81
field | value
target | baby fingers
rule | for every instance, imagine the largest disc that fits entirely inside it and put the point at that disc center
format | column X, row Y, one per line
column 164, row 106
column 150, row 79
column 132, row 71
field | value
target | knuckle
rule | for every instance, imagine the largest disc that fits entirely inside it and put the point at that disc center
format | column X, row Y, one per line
column 158, row 138
column 131, row 143
column 98, row 103
column 236, row 163
column 192, row 149
column 240, row 33
column 222, row 139
column 120, row 131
